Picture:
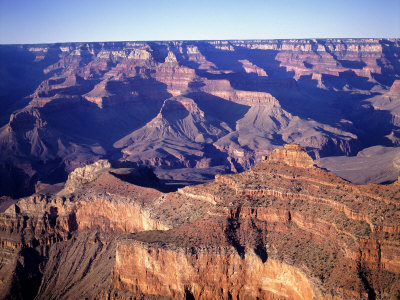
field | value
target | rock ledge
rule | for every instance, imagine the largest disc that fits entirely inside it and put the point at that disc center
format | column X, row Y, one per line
column 291, row 155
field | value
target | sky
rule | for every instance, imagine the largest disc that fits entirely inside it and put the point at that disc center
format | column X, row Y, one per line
column 52, row 21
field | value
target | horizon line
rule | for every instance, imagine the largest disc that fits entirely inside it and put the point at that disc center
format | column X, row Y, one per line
column 198, row 40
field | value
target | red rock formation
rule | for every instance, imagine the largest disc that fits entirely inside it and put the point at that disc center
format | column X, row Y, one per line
column 205, row 275
column 291, row 155
column 304, row 204
column 281, row 229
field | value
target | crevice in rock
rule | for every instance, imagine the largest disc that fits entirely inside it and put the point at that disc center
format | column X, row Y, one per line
column 27, row 276
column 231, row 233
column 189, row 295
column 261, row 252
column 370, row 291
column 72, row 223
column 53, row 216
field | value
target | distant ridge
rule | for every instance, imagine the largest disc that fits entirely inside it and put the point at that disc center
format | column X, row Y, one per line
column 213, row 105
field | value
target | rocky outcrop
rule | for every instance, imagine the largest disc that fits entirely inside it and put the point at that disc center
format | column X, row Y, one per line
column 292, row 155
column 330, row 238
column 85, row 174
column 283, row 229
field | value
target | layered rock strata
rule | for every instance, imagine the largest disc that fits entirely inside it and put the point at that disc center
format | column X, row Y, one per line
column 284, row 229
column 319, row 236
column 206, row 104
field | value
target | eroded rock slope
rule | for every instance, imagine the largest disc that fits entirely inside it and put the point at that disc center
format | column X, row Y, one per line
column 197, row 104
column 284, row 229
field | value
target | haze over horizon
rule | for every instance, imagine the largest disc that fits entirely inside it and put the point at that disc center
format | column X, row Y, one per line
column 44, row 21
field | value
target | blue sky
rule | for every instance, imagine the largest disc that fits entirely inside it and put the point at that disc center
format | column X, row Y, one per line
column 49, row 21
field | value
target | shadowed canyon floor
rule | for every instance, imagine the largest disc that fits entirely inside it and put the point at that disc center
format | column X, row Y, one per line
column 284, row 229
column 197, row 108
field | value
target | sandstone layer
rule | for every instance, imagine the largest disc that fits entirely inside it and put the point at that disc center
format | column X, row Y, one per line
column 284, row 229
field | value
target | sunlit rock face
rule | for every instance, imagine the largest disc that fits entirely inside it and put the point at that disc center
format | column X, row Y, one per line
column 206, row 275
column 213, row 105
column 284, row 229
column 291, row 155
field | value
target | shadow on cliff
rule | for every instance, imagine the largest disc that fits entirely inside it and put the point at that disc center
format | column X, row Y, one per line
column 159, row 51
column 21, row 75
column 342, row 98
column 77, row 131
column 345, row 63
column 80, row 130
column 86, row 121
column 14, row 182
column 133, row 173
column 220, row 109
column 390, row 72
column 246, row 231
column 27, row 277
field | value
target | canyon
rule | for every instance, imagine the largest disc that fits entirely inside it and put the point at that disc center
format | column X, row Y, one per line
column 241, row 169
column 194, row 109
column 284, row 229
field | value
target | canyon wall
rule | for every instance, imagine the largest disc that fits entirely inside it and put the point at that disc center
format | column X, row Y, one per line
column 284, row 229
column 204, row 275
column 191, row 104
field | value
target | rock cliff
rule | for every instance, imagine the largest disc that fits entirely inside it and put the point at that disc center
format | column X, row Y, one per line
column 85, row 174
column 284, row 229
column 291, row 155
